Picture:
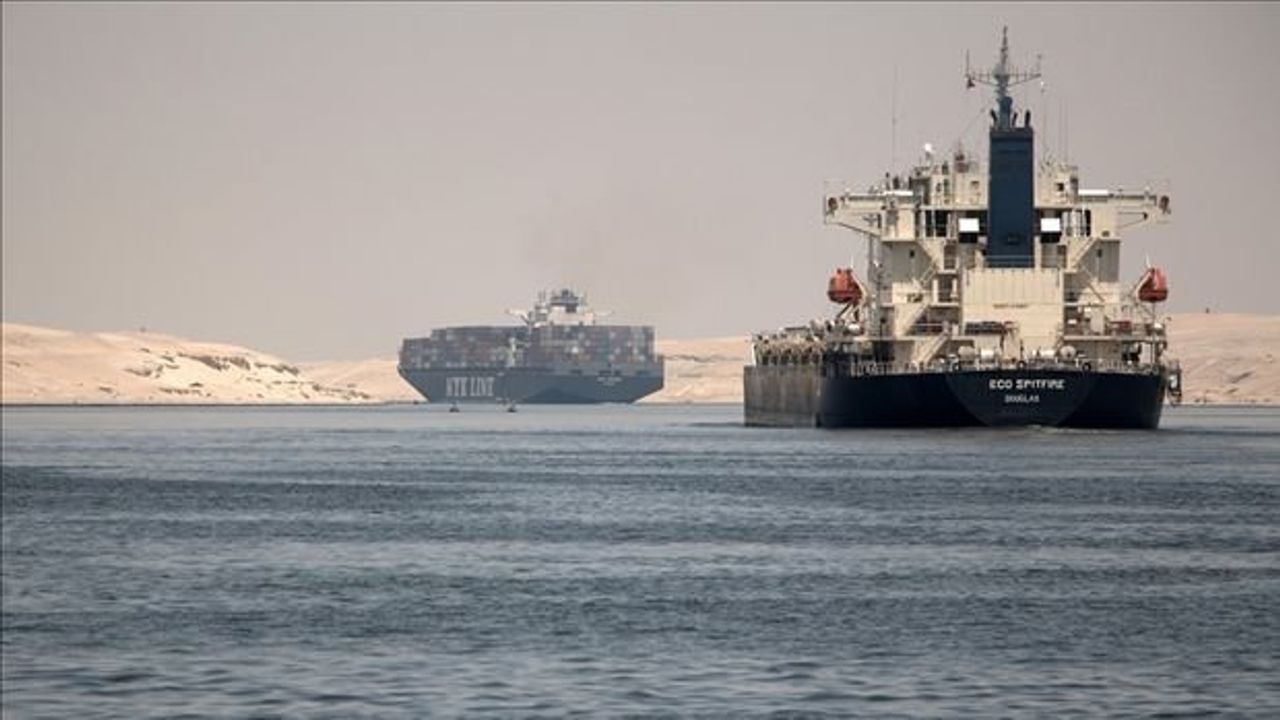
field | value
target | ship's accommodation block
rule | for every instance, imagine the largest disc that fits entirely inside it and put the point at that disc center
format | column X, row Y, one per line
column 940, row 282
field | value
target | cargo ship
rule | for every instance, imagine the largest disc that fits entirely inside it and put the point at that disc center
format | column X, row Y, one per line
column 993, row 297
column 559, row 353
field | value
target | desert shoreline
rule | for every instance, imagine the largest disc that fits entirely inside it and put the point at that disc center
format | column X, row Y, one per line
column 1227, row 359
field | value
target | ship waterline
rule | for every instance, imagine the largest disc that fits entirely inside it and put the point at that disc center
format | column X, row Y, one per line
column 533, row 385
column 1058, row 397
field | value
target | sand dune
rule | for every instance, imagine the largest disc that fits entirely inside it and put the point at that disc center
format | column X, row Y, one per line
column 376, row 377
column 44, row 366
column 703, row 371
column 1226, row 359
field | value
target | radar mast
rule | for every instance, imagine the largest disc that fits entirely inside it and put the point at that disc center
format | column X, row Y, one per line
column 1002, row 77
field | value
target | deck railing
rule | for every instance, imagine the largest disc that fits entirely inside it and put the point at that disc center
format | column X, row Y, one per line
column 872, row 368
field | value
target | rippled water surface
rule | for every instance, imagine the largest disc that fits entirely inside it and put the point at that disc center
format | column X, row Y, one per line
column 632, row 561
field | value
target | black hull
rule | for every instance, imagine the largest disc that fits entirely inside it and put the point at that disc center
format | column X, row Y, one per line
column 529, row 386
column 802, row 396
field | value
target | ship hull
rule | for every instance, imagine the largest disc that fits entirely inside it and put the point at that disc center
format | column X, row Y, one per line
column 530, row 386
column 802, row 396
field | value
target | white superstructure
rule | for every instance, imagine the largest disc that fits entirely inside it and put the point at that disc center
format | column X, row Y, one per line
column 936, row 296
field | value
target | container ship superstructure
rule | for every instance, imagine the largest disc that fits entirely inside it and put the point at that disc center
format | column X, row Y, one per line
column 994, row 297
column 559, row 353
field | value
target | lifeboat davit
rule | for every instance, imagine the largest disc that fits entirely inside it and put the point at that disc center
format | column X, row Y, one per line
column 1153, row 287
column 844, row 288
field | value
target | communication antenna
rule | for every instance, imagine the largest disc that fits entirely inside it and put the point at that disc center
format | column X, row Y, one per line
column 893, row 124
column 1066, row 136
column 1002, row 77
column 1044, row 114
column 1062, row 122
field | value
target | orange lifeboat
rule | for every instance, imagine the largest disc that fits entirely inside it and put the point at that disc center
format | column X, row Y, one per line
column 844, row 288
column 1153, row 287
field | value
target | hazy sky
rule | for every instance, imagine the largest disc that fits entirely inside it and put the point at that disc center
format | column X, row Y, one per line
column 318, row 181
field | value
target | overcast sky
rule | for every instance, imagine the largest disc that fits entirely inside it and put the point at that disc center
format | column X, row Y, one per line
column 320, row 180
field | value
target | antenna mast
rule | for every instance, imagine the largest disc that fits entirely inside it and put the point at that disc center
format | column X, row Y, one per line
column 1044, row 115
column 1002, row 77
column 893, row 124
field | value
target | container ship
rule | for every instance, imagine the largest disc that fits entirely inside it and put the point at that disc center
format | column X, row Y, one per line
column 559, row 353
column 993, row 297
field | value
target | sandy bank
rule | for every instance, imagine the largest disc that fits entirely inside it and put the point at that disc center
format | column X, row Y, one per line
column 1226, row 358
